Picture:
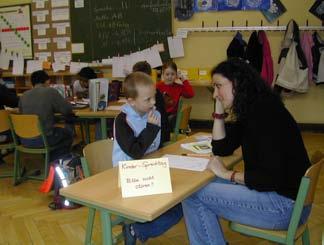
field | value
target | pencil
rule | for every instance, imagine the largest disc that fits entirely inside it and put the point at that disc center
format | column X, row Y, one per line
column 195, row 155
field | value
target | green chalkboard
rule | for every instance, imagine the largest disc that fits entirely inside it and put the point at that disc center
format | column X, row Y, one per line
column 112, row 27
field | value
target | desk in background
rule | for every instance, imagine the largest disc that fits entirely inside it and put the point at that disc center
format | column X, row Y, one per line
column 101, row 191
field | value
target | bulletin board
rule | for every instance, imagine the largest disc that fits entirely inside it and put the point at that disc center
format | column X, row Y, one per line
column 15, row 26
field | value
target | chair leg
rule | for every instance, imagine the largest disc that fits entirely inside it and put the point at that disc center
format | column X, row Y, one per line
column 46, row 164
column 16, row 167
column 91, row 217
column 305, row 237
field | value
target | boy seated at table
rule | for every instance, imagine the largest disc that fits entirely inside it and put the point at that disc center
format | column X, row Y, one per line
column 81, row 86
column 137, row 132
column 45, row 101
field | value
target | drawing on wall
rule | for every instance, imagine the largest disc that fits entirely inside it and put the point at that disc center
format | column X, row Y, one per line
column 229, row 5
column 275, row 11
column 318, row 9
column 223, row 5
column 256, row 4
column 15, row 30
column 205, row 5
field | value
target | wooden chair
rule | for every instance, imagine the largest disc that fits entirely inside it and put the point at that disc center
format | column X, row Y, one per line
column 98, row 158
column 28, row 127
column 182, row 120
column 305, row 197
column 4, row 127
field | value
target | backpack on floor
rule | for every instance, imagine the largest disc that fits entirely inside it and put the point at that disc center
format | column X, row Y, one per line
column 63, row 172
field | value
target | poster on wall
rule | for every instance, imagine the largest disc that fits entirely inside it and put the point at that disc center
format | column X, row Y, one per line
column 15, row 27
column 317, row 9
column 275, row 11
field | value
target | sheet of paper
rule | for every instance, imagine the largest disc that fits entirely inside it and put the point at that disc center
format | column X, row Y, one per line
column 153, row 58
column 4, row 60
column 77, row 48
column 43, row 56
column 63, row 57
column 189, row 163
column 61, row 27
column 175, row 47
column 58, row 66
column 60, row 14
column 118, row 67
column 61, row 42
column 40, row 15
column 18, row 65
column 145, row 177
column 60, row 3
column 40, row 4
column 34, row 65
column 200, row 147
column 78, row 3
column 75, row 67
column 159, row 47
column 106, row 61
column 182, row 34
column 41, row 29
column 42, row 43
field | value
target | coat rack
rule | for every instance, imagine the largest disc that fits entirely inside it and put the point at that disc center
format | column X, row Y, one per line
column 245, row 28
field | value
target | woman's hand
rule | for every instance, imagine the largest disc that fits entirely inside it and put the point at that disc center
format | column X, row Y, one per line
column 219, row 108
column 218, row 168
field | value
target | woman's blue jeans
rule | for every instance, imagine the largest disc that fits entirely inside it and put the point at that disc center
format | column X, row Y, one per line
column 238, row 203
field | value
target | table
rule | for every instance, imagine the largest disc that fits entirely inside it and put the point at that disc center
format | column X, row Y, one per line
column 101, row 191
column 87, row 113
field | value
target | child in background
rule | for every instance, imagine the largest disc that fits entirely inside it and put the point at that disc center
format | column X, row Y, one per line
column 145, row 67
column 45, row 101
column 173, row 87
column 137, row 133
column 81, row 86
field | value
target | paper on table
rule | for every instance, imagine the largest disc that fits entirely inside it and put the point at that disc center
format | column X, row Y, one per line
column 200, row 147
column 189, row 163
column 175, row 47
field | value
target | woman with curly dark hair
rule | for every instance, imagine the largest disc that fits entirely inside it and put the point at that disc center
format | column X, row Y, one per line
column 274, row 157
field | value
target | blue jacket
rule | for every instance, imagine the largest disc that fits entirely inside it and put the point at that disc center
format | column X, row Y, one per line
column 134, row 137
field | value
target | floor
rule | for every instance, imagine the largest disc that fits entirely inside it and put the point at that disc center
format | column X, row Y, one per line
column 26, row 219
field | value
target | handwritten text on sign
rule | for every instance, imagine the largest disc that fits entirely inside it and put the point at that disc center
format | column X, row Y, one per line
column 145, row 177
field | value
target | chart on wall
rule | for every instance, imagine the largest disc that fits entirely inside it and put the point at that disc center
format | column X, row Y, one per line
column 15, row 26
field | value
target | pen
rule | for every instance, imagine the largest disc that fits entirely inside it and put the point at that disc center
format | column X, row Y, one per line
column 195, row 155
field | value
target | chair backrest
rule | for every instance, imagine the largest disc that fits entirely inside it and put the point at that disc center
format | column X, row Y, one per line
column 99, row 155
column 4, row 123
column 312, row 173
column 184, row 123
column 25, row 126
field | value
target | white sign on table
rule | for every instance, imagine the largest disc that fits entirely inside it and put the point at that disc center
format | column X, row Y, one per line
column 145, row 177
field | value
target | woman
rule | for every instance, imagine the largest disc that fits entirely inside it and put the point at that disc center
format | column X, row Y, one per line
column 274, row 156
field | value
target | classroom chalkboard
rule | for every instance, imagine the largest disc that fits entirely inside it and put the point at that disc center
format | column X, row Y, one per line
column 110, row 28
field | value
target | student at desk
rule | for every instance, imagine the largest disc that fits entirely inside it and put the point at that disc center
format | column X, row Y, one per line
column 45, row 101
column 137, row 133
column 81, row 86
column 274, row 156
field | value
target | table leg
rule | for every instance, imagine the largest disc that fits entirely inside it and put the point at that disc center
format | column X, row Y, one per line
column 106, row 228
column 91, row 217
column 87, row 131
column 103, row 122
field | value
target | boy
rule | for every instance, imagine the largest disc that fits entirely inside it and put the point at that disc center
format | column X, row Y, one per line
column 137, row 133
column 80, row 87
column 45, row 101
column 145, row 67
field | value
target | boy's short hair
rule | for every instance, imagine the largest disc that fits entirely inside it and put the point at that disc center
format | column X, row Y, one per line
column 39, row 77
column 136, row 79
column 87, row 73
column 143, row 66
